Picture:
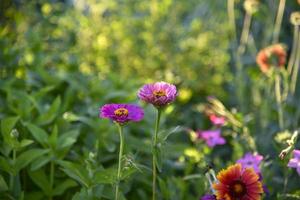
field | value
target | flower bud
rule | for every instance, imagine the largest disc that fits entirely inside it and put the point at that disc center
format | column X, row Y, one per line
column 251, row 6
column 14, row 133
column 295, row 18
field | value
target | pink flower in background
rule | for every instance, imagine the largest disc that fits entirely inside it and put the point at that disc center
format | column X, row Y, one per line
column 208, row 197
column 212, row 137
column 216, row 120
column 295, row 162
column 251, row 161
column 122, row 113
column 158, row 94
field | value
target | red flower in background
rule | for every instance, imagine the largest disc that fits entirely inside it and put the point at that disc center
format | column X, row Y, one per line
column 274, row 55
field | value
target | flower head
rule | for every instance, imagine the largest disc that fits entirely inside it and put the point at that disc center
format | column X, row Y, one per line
column 249, row 160
column 217, row 120
column 122, row 113
column 212, row 137
column 237, row 184
column 295, row 162
column 274, row 55
column 208, row 197
column 159, row 94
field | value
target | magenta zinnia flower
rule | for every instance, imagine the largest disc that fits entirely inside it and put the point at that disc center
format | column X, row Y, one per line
column 251, row 161
column 212, row 137
column 158, row 94
column 295, row 162
column 122, row 113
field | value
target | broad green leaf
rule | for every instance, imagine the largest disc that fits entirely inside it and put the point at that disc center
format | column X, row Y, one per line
column 27, row 157
column 7, row 126
column 25, row 143
column 63, row 186
column 67, row 139
column 4, row 165
column 106, row 176
column 40, row 162
column 3, row 185
column 39, row 134
column 75, row 171
column 41, row 180
column 50, row 115
column 53, row 137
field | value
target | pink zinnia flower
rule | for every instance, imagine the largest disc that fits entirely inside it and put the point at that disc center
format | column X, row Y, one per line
column 122, row 113
column 295, row 162
column 251, row 161
column 216, row 120
column 212, row 137
column 158, row 94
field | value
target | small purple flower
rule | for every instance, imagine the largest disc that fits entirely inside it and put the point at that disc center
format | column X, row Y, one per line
column 251, row 161
column 208, row 197
column 159, row 94
column 122, row 113
column 212, row 137
column 295, row 162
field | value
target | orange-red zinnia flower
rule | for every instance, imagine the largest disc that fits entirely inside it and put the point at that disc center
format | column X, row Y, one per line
column 274, row 55
column 237, row 184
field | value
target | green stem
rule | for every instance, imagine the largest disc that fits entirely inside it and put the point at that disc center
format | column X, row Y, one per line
column 278, row 21
column 294, row 50
column 12, row 177
column 231, row 18
column 296, row 69
column 120, row 161
column 51, row 178
column 158, row 113
column 279, row 101
column 245, row 33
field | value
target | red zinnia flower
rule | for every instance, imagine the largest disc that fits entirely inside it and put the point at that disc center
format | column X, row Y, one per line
column 274, row 55
column 237, row 184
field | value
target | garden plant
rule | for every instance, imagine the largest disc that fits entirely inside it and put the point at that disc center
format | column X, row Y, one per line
column 148, row 99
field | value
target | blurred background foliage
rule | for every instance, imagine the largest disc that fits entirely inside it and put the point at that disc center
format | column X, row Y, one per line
column 61, row 60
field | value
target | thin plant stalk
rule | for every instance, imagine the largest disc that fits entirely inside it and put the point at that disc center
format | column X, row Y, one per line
column 52, row 170
column 279, row 100
column 245, row 33
column 154, row 172
column 12, row 177
column 231, row 18
column 296, row 69
column 119, row 161
column 278, row 21
column 294, row 50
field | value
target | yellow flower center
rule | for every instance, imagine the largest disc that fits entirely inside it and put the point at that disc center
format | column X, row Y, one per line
column 238, row 188
column 121, row 112
column 159, row 93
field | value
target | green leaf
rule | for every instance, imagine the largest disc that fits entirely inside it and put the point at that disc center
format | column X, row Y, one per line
column 158, row 158
column 67, row 139
column 3, row 185
column 27, row 157
column 53, row 137
column 25, row 143
column 39, row 134
column 163, row 136
column 41, row 180
column 63, row 186
column 40, row 162
column 106, row 176
column 5, row 166
column 50, row 115
column 7, row 124
column 75, row 171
